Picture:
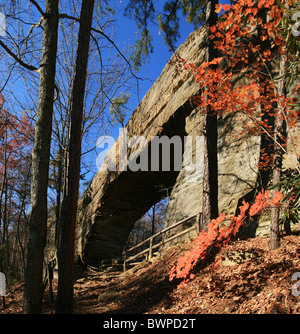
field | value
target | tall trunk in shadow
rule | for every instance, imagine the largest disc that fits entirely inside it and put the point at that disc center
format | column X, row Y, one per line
column 267, row 118
column 59, row 180
column 64, row 302
column 40, row 163
column 210, row 177
column 266, row 140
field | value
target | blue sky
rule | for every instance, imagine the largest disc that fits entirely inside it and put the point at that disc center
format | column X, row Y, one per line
column 127, row 32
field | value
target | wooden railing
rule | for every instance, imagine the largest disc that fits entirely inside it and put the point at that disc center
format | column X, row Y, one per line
column 153, row 246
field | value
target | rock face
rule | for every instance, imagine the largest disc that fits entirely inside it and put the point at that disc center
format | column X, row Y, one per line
column 237, row 157
column 116, row 199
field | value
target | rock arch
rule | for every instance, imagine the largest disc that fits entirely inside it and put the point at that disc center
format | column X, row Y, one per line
column 115, row 200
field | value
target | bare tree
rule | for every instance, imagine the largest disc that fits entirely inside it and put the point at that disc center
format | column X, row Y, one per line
column 24, row 50
column 64, row 302
column 40, row 163
column 107, row 74
column 280, row 140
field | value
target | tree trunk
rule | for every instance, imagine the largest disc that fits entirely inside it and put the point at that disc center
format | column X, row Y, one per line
column 267, row 118
column 4, row 182
column 280, row 136
column 40, row 163
column 59, row 180
column 210, row 131
column 153, row 219
column 64, row 302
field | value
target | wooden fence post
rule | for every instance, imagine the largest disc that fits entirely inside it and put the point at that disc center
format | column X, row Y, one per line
column 150, row 249
column 125, row 259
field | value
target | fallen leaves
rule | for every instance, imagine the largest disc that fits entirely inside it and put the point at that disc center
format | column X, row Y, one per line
column 256, row 280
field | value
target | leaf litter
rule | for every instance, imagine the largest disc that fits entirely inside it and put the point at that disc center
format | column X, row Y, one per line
column 250, row 279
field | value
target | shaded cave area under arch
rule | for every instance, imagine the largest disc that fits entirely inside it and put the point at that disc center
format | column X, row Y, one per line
column 129, row 196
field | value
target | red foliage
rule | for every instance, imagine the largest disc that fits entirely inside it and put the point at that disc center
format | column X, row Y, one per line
column 247, row 44
column 16, row 136
column 218, row 236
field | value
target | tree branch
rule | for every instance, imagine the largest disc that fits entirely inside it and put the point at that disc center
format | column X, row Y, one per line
column 16, row 58
column 66, row 16
column 38, row 7
column 36, row 25
column 118, row 50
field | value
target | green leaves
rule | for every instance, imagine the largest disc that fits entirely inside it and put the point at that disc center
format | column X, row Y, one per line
column 117, row 109
column 142, row 49
column 103, row 8
column 168, row 20
column 280, row 4
column 142, row 11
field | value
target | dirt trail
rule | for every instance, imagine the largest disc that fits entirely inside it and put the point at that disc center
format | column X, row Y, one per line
column 251, row 279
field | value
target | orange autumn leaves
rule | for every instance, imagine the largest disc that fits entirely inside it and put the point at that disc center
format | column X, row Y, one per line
column 246, row 43
column 248, row 3
column 242, row 20
column 218, row 236
column 219, row 7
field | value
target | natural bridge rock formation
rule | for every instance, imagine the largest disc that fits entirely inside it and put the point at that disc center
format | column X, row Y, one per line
column 115, row 200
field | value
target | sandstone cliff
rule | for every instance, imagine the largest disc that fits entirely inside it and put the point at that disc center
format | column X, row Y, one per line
column 116, row 199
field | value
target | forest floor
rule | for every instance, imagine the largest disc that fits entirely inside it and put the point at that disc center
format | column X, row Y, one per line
column 250, row 279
